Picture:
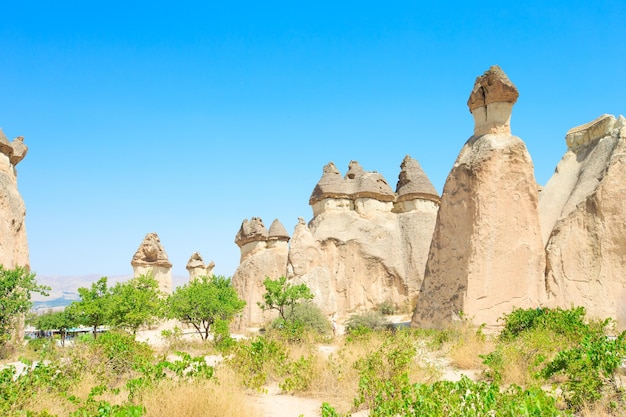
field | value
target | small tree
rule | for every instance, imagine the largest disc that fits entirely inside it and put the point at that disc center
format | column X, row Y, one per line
column 93, row 308
column 136, row 303
column 57, row 320
column 204, row 301
column 283, row 296
column 16, row 286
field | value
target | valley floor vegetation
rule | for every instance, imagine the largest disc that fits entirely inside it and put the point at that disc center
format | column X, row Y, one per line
column 544, row 362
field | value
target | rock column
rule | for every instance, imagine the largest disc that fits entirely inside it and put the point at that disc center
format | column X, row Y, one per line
column 13, row 243
column 151, row 258
column 487, row 254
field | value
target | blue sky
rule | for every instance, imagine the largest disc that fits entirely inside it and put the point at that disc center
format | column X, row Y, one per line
column 185, row 118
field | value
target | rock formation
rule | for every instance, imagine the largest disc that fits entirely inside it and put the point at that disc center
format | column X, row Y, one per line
column 263, row 254
column 486, row 256
column 13, row 243
column 197, row 268
column 583, row 219
column 151, row 258
column 366, row 244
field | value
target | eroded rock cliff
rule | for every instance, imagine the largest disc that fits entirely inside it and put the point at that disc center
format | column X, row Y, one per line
column 13, row 242
column 583, row 213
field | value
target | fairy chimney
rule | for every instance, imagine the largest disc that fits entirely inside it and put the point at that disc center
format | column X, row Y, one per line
column 197, row 268
column 13, row 242
column 151, row 258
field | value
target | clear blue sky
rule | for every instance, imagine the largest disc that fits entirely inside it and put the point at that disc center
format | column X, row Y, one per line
column 185, row 118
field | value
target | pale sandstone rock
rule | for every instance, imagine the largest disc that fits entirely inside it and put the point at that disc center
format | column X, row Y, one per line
column 491, row 102
column 359, row 250
column 151, row 258
column 13, row 241
column 486, row 256
column 584, row 220
column 263, row 254
column 358, row 190
column 197, row 268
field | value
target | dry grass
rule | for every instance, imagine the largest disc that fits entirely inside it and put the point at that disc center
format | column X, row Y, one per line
column 465, row 353
column 219, row 397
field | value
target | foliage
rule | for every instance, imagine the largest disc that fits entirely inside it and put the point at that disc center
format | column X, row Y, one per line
column 16, row 286
column 463, row 398
column 42, row 348
column 384, row 373
column 565, row 323
column 554, row 342
column 93, row 309
column 304, row 317
column 590, row 368
column 16, row 390
column 360, row 324
column 283, row 296
column 203, row 302
column 136, row 303
column 55, row 320
column 257, row 359
column 387, row 308
column 120, row 352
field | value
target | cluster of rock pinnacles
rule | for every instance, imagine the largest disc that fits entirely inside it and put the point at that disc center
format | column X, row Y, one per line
column 493, row 241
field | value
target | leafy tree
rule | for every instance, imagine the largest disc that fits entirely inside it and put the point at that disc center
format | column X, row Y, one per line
column 16, row 286
column 283, row 296
column 55, row 320
column 136, row 303
column 93, row 308
column 205, row 301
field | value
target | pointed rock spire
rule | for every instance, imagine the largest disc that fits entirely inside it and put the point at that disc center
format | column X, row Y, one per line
column 413, row 182
column 278, row 231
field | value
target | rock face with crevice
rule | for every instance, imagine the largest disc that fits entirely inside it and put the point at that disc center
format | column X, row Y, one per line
column 366, row 244
column 583, row 217
column 13, row 242
column 151, row 258
column 486, row 256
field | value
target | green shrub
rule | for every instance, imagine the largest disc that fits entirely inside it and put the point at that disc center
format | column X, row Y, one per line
column 302, row 318
column 387, row 308
column 364, row 323
column 256, row 360
column 463, row 398
column 590, row 368
column 384, row 373
column 121, row 353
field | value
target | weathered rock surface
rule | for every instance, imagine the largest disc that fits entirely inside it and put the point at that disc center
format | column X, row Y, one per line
column 491, row 102
column 584, row 221
column 263, row 254
column 486, row 256
column 365, row 244
column 197, row 268
column 13, row 242
column 151, row 258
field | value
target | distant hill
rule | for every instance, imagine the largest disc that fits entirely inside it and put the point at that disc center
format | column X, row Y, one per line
column 65, row 288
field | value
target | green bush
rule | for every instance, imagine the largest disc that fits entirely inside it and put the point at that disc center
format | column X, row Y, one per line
column 367, row 322
column 557, row 342
column 566, row 323
column 256, row 360
column 384, row 373
column 387, row 308
column 121, row 353
column 302, row 318
column 589, row 367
